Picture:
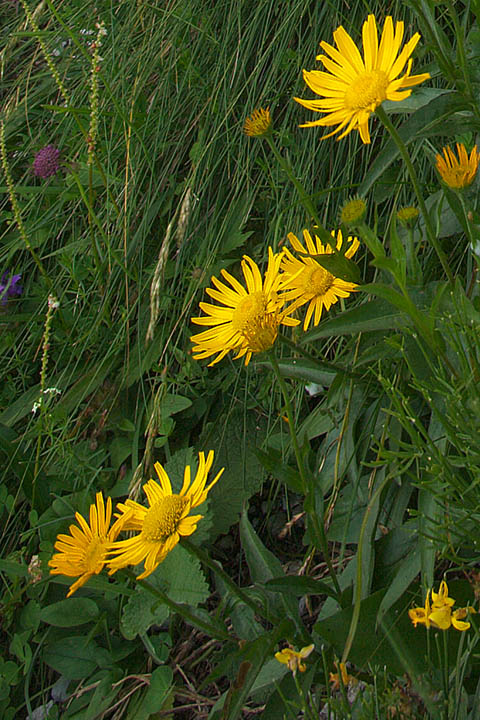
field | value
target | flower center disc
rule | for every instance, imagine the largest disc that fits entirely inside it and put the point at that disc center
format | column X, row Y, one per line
column 318, row 281
column 95, row 554
column 262, row 334
column 249, row 310
column 455, row 177
column 162, row 519
column 368, row 91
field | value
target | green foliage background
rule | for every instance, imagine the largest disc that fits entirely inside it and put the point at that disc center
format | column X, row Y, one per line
column 389, row 427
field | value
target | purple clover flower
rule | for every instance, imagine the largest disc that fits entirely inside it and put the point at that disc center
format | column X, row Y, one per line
column 9, row 287
column 46, row 162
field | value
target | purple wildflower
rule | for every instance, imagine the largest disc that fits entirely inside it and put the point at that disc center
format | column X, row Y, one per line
column 9, row 287
column 46, row 162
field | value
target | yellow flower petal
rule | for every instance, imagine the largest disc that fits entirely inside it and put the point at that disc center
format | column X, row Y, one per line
column 250, row 322
column 304, row 280
column 165, row 521
column 83, row 553
column 354, row 86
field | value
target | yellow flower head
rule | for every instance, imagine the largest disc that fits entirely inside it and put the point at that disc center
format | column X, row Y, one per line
column 419, row 615
column 250, row 319
column 458, row 173
column 259, row 123
column 458, row 616
column 354, row 86
column 440, row 614
column 441, row 599
column 83, row 553
column 441, row 617
column 306, row 281
column 165, row 520
column 408, row 216
column 346, row 678
column 293, row 659
column 353, row 211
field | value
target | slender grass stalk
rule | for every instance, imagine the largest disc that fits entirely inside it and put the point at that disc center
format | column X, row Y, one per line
column 359, row 583
column 462, row 58
column 52, row 306
column 16, row 208
column 416, row 186
column 46, row 53
column 306, row 707
column 305, row 198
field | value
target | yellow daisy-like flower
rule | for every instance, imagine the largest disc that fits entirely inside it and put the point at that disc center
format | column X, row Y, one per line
column 166, row 519
column 306, row 281
column 259, row 123
column 251, row 317
column 293, row 658
column 354, row 86
column 459, row 172
column 84, row 551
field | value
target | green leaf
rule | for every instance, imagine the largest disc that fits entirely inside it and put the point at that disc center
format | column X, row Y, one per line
column 428, row 121
column 74, row 657
column 418, row 99
column 171, row 404
column 408, row 570
column 339, row 265
column 103, row 696
column 120, row 449
column 304, row 369
column 13, row 569
column 157, row 694
column 272, row 461
column 376, row 314
column 371, row 645
column 389, row 294
column 235, row 440
column 299, row 585
column 250, row 660
column 181, row 577
column 141, row 612
column 70, row 612
column 263, row 564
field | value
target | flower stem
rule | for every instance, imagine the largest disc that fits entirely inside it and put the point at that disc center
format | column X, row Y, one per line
column 181, row 610
column 416, row 186
column 308, row 489
column 321, row 363
column 216, row 568
column 305, row 198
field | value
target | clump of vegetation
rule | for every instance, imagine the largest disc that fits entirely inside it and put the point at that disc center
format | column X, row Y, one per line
column 240, row 357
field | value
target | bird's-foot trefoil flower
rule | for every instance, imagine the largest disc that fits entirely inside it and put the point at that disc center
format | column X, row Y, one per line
column 293, row 659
